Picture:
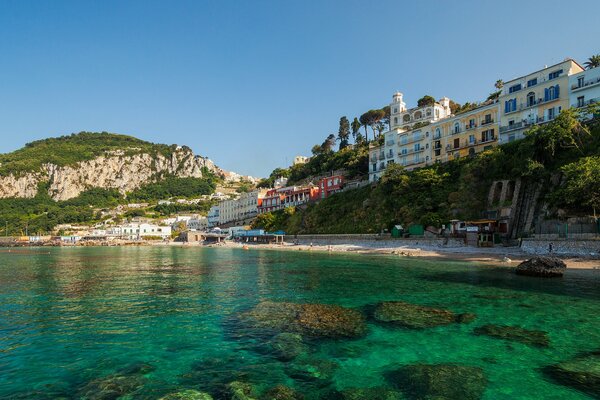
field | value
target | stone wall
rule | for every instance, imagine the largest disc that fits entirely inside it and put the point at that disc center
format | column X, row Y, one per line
column 565, row 247
column 373, row 240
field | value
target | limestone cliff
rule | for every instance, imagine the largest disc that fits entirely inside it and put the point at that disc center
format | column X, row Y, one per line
column 114, row 169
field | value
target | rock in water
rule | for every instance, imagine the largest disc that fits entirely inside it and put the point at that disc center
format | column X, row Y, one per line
column 440, row 381
column 316, row 320
column 111, row 387
column 189, row 394
column 515, row 333
column 416, row 316
column 281, row 392
column 546, row 267
column 313, row 371
column 581, row 373
column 287, row 346
column 372, row 393
column 240, row 391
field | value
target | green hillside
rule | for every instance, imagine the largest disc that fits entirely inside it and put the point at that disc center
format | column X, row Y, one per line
column 71, row 149
column 563, row 156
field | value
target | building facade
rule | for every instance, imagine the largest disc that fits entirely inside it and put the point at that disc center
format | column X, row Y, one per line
column 584, row 88
column 213, row 217
column 330, row 185
column 240, row 209
column 535, row 98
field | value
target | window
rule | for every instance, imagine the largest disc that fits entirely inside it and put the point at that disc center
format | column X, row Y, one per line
column 395, row 110
column 438, row 134
column 554, row 74
column 417, row 146
column 551, row 113
column 406, row 118
column 580, row 81
column 510, row 105
column 418, row 115
column 471, row 139
column 552, row 93
column 428, row 112
column 530, row 99
column 514, row 88
column 456, row 127
column 472, row 123
column 404, row 151
column 580, row 101
column 456, row 143
column 532, row 82
column 395, row 120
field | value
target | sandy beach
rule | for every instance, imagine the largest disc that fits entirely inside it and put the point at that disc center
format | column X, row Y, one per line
column 498, row 256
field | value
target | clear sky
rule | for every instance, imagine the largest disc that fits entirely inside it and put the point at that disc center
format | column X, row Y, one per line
column 251, row 84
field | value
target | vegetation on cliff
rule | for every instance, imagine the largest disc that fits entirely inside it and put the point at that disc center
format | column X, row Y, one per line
column 71, row 149
column 561, row 156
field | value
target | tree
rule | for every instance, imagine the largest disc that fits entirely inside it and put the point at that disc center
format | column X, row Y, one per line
column 387, row 112
column 592, row 62
column 344, row 132
column 371, row 118
column 499, row 84
column 328, row 144
column 581, row 185
column 355, row 128
column 426, row 101
column 454, row 107
column 564, row 132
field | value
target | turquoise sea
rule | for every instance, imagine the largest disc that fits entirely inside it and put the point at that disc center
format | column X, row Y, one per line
column 71, row 317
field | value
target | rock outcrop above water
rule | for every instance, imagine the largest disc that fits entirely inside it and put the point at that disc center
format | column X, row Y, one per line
column 546, row 267
column 440, row 381
column 581, row 373
column 314, row 320
column 515, row 333
column 416, row 316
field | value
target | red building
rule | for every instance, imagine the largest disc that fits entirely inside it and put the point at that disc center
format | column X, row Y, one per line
column 330, row 185
column 276, row 199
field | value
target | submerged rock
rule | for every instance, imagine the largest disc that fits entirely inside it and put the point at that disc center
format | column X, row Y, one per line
column 313, row 371
column 315, row 320
column 416, row 316
column 281, row 392
column 581, row 373
column 241, row 391
column 372, row 393
column 546, row 267
column 287, row 346
column 111, row 387
column 514, row 333
column 189, row 394
column 440, row 381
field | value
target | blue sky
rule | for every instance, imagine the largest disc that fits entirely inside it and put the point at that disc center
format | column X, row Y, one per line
column 251, row 84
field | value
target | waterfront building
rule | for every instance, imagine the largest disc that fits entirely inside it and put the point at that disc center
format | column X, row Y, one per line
column 277, row 199
column 535, row 98
column 584, row 88
column 136, row 231
column 198, row 223
column 465, row 134
column 213, row 217
column 240, row 209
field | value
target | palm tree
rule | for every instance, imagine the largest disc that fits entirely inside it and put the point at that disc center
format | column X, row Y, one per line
column 592, row 62
column 499, row 84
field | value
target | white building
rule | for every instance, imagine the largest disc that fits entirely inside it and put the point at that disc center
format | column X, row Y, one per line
column 240, row 209
column 198, row 223
column 280, row 182
column 213, row 216
column 584, row 88
column 300, row 160
column 409, row 138
column 136, row 231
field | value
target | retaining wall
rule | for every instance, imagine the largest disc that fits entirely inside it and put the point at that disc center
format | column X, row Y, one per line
column 567, row 247
column 373, row 240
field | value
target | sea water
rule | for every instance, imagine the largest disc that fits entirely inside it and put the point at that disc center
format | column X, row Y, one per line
column 69, row 316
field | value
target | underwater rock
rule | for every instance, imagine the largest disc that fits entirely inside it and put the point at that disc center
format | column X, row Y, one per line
column 416, row 316
column 189, row 394
column 440, row 381
column 313, row 371
column 315, row 320
column 546, row 267
column 287, row 346
column 137, row 368
column 282, row 392
column 514, row 333
column 581, row 373
column 241, row 391
column 372, row 393
column 111, row 387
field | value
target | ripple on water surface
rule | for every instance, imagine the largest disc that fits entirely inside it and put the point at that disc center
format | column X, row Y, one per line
column 145, row 322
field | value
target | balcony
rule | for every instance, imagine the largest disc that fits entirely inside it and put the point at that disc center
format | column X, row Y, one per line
column 587, row 103
column 390, row 142
column 524, row 106
column 410, row 141
column 487, row 122
column 525, row 124
column 390, row 155
column 469, row 127
column 463, row 144
column 585, row 84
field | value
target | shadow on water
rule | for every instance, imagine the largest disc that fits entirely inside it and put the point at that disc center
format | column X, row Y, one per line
column 575, row 283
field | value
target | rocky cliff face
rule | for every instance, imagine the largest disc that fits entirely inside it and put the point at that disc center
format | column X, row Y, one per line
column 112, row 170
